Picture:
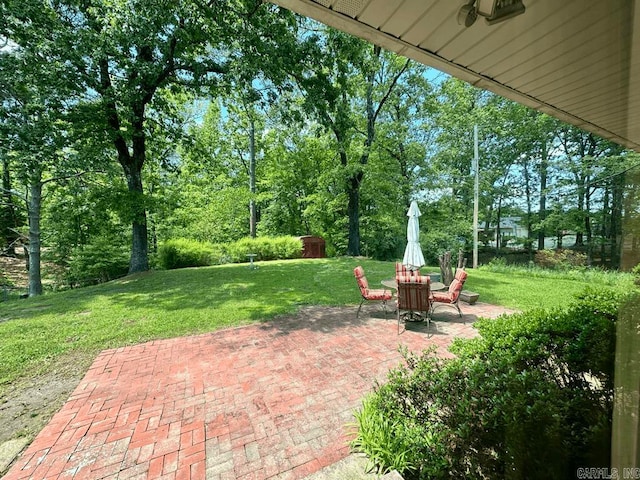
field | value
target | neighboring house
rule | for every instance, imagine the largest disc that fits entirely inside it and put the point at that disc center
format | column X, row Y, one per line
column 509, row 227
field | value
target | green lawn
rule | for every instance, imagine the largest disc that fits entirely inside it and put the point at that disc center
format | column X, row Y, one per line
column 163, row 304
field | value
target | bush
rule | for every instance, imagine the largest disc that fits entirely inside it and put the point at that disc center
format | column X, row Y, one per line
column 635, row 271
column 265, row 248
column 560, row 259
column 183, row 253
column 434, row 243
column 4, row 280
column 530, row 398
column 97, row 262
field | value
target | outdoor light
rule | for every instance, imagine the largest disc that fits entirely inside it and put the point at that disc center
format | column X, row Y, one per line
column 486, row 7
column 493, row 11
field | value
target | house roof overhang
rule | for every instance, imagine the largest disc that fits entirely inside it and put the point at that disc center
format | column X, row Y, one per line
column 578, row 60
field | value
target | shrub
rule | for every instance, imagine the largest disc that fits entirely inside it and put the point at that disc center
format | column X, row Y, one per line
column 265, row 248
column 560, row 259
column 182, row 253
column 635, row 271
column 97, row 262
column 435, row 243
column 530, row 398
column 4, row 280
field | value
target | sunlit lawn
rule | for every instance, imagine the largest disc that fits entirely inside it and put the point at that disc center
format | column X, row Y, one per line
column 165, row 304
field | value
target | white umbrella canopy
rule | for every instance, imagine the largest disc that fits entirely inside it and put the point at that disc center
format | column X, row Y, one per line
column 413, row 257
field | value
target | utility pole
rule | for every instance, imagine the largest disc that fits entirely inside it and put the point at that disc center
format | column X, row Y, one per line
column 476, row 168
column 252, row 176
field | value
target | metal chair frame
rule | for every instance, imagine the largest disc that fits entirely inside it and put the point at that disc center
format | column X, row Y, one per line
column 454, row 289
column 365, row 291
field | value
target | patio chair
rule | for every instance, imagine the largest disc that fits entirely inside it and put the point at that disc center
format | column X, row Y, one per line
column 375, row 294
column 403, row 270
column 451, row 296
column 414, row 298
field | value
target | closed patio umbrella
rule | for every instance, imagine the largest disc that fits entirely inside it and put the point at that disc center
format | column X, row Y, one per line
column 413, row 257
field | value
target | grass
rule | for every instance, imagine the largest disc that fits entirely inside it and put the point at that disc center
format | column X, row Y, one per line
column 527, row 288
column 163, row 304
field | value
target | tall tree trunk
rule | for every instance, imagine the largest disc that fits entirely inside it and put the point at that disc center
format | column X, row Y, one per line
column 34, row 206
column 498, row 232
column 616, row 220
column 139, row 261
column 354, row 181
column 529, row 222
column 252, row 179
column 587, row 227
column 353, row 212
column 581, row 199
column 131, row 163
column 604, row 231
column 8, row 215
column 543, row 194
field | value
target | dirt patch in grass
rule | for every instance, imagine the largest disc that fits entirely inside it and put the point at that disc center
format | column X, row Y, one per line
column 27, row 406
column 15, row 270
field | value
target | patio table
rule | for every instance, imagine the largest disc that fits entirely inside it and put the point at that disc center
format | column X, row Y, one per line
column 435, row 286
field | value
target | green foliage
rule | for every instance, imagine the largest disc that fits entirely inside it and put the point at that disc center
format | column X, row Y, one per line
column 384, row 439
column 182, row 253
column 82, row 210
column 97, row 262
column 560, row 259
column 530, row 398
column 4, row 280
column 435, row 242
column 265, row 248
column 590, row 275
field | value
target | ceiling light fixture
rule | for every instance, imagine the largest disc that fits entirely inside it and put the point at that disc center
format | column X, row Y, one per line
column 494, row 11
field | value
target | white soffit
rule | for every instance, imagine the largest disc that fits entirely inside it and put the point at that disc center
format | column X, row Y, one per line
column 578, row 60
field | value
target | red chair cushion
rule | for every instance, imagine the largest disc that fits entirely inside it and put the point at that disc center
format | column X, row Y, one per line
column 378, row 294
column 442, row 297
column 403, row 270
column 413, row 279
column 363, row 284
column 454, row 289
column 461, row 275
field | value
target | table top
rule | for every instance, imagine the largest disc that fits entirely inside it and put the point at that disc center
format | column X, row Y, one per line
column 389, row 283
column 435, row 286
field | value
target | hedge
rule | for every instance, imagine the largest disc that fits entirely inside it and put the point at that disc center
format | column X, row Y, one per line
column 182, row 253
column 530, row 398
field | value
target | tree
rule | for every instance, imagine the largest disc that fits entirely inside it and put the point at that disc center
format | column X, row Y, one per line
column 583, row 158
column 209, row 187
column 36, row 129
column 10, row 218
column 346, row 86
column 124, row 54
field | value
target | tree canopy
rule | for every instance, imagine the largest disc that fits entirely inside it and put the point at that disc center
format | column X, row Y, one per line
column 149, row 120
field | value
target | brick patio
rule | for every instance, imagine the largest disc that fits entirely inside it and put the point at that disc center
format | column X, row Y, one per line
column 266, row 401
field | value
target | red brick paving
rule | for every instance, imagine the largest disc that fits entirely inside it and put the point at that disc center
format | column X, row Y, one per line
column 266, row 401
